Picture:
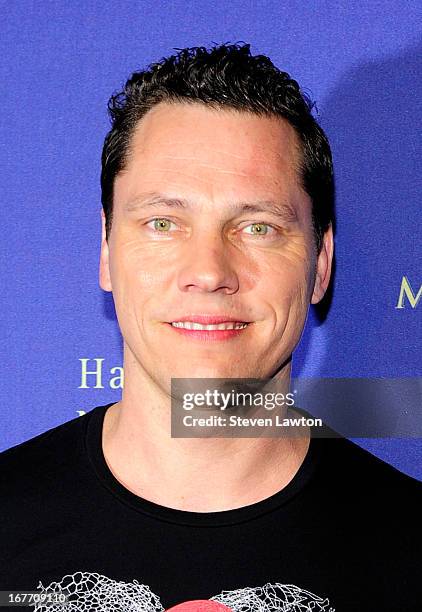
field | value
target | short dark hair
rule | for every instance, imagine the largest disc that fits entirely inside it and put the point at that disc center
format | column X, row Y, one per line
column 224, row 76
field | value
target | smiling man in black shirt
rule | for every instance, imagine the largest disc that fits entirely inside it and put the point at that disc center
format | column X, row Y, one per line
column 217, row 194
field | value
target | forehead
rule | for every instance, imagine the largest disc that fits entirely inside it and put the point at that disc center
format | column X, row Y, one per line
column 211, row 149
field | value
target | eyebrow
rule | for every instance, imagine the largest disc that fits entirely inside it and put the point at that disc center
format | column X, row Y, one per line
column 280, row 209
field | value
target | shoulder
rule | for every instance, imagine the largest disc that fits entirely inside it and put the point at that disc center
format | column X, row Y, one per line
column 356, row 473
column 44, row 484
column 43, row 458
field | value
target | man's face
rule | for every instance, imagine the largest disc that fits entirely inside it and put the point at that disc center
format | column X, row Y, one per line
column 210, row 220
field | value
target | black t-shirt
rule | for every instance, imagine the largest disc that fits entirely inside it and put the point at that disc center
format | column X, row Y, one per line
column 343, row 535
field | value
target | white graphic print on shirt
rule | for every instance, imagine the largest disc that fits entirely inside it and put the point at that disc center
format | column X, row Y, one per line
column 93, row 592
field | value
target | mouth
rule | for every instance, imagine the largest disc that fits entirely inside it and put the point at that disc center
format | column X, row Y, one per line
column 192, row 325
column 209, row 327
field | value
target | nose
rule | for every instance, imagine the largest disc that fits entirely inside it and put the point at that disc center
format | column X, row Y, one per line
column 208, row 266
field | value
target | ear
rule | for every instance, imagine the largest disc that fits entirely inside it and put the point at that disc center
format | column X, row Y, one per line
column 104, row 272
column 324, row 262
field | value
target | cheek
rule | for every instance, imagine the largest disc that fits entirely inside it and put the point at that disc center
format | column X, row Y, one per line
column 300, row 265
column 137, row 270
column 286, row 278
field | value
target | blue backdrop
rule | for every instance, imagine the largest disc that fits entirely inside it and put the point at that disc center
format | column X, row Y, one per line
column 60, row 63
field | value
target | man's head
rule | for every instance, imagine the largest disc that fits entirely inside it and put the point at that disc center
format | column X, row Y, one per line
column 213, row 217
column 225, row 76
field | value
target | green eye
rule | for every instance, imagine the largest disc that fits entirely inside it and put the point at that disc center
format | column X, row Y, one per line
column 258, row 229
column 162, row 225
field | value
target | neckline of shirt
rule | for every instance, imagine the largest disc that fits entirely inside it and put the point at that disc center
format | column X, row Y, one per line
column 94, row 448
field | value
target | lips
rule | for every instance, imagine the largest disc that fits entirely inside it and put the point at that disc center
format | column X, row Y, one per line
column 208, row 327
column 209, row 319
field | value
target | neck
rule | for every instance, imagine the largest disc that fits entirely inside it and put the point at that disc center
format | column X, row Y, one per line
column 192, row 474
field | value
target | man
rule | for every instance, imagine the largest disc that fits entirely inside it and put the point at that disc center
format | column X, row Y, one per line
column 217, row 234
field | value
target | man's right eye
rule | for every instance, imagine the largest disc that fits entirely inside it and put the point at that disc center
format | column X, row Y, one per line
column 161, row 224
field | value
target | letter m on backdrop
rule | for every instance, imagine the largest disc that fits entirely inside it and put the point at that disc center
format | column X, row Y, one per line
column 406, row 292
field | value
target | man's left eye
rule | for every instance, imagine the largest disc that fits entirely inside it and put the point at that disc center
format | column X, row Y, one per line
column 258, row 229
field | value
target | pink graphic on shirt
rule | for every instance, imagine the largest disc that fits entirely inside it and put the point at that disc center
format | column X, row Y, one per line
column 200, row 605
